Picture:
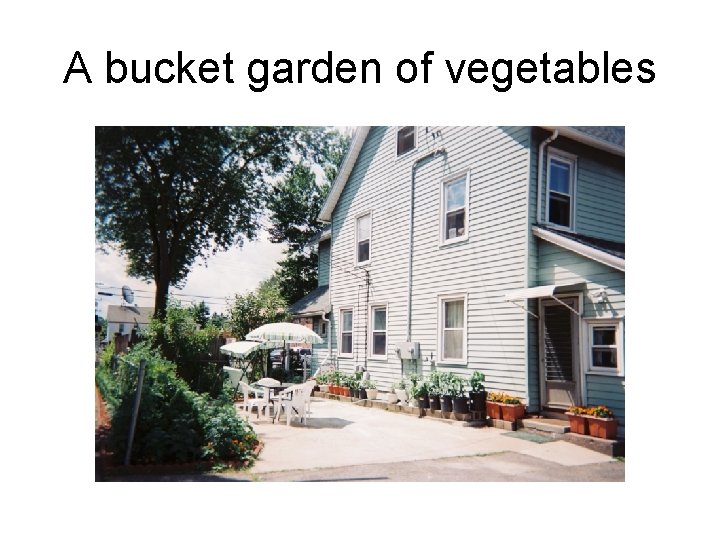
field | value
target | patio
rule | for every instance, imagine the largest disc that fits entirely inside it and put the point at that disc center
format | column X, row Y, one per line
column 342, row 434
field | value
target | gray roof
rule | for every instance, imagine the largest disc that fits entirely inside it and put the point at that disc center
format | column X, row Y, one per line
column 315, row 303
column 612, row 134
column 324, row 234
column 616, row 249
column 129, row 314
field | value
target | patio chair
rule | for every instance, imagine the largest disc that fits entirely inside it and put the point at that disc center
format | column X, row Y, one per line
column 235, row 376
column 293, row 401
column 259, row 401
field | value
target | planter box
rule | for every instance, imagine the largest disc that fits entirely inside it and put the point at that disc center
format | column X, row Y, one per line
column 603, row 428
column 512, row 413
column 578, row 423
column 493, row 410
column 372, row 393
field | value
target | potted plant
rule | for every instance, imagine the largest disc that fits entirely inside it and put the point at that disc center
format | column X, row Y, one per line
column 492, row 404
column 578, row 420
column 422, row 393
column 434, row 390
column 391, row 397
column 412, row 388
column 370, row 389
column 354, row 386
column 478, row 395
column 512, row 408
column 601, row 422
column 446, row 383
column 345, row 385
column 456, row 389
column 400, row 389
column 322, row 381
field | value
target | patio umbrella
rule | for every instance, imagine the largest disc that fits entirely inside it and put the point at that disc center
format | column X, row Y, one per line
column 284, row 332
column 240, row 349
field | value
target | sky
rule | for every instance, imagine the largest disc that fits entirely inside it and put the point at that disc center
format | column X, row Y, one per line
column 236, row 271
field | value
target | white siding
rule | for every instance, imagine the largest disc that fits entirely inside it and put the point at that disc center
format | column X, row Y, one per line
column 485, row 266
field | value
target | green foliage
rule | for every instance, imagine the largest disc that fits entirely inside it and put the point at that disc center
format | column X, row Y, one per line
column 166, row 196
column 174, row 423
column 294, row 203
column 262, row 306
column 436, row 382
column 476, row 381
column 201, row 314
column 178, row 335
column 367, row 384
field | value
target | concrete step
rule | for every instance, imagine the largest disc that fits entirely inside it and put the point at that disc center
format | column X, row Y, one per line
column 550, row 425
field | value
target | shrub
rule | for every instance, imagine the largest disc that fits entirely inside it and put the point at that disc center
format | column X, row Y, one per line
column 174, row 424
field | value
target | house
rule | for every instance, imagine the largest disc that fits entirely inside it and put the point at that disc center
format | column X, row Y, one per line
column 499, row 249
column 312, row 310
column 123, row 319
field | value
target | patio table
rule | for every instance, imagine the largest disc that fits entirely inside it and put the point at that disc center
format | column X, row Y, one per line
column 270, row 389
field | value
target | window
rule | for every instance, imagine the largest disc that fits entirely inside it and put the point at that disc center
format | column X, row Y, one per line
column 452, row 338
column 561, row 189
column 454, row 209
column 378, row 320
column 122, row 328
column 405, row 139
column 605, row 347
column 319, row 327
column 346, row 325
column 362, row 238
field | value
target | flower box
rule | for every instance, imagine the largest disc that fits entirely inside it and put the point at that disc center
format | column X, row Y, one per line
column 493, row 410
column 578, row 423
column 512, row 412
column 603, row 428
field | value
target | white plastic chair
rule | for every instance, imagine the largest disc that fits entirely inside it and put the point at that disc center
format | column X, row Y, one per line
column 293, row 401
column 235, row 376
column 259, row 402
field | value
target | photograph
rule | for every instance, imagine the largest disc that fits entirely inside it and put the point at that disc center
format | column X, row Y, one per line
column 360, row 303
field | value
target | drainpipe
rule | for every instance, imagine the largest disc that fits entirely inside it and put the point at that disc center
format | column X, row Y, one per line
column 541, row 159
column 416, row 165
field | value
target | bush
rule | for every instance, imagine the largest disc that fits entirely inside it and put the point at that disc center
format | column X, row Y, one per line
column 175, row 424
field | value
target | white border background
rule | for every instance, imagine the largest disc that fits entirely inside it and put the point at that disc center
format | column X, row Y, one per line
column 47, row 213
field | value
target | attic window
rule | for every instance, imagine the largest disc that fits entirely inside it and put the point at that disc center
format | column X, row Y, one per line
column 405, row 139
column 561, row 189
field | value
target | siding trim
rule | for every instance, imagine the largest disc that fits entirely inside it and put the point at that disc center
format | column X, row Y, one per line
column 581, row 249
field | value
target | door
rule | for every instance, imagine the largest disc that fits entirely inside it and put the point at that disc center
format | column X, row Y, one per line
column 559, row 358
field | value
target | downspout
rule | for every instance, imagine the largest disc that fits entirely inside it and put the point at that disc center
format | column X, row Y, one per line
column 541, row 164
column 541, row 160
column 415, row 166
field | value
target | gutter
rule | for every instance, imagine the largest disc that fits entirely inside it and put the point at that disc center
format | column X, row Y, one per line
column 541, row 164
column 589, row 140
column 586, row 251
column 416, row 165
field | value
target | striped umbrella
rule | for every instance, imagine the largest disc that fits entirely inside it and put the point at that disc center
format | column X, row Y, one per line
column 284, row 332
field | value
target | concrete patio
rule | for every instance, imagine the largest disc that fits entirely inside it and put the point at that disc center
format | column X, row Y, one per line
column 343, row 435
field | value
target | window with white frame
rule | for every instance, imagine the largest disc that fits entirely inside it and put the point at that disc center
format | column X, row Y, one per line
column 363, row 228
column 560, row 189
column 605, row 342
column 405, row 139
column 346, row 331
column 454, row 211
column 378, row 331
column 453, row 329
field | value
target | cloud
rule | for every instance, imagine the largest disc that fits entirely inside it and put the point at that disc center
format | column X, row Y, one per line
column 236, row 271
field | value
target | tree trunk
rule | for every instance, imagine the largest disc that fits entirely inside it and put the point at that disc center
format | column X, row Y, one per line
column 162, row 287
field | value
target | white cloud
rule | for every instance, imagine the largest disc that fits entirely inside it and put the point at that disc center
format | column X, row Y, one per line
column 237, row 270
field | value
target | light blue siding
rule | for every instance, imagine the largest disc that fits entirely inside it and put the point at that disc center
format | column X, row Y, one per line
column 324, row 263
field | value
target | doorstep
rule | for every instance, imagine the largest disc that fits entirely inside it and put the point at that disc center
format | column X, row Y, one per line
column 551, row 425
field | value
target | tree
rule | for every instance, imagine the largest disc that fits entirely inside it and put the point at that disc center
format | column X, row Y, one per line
column 166, row 196
column 261, row 306
column 201, row 313
column 294, row 203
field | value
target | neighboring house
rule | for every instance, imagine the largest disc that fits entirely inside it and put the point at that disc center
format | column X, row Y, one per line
column 313, row 309
column 122, row 319
column 481, row 248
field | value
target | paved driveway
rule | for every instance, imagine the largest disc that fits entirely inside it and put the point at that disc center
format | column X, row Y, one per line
column 342, row 435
